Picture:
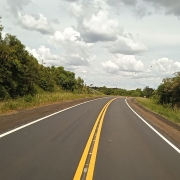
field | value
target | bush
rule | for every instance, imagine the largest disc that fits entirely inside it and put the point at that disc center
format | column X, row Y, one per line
column 28, row 98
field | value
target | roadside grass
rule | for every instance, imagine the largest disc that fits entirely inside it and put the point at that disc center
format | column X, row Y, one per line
column 44, row 98
column 172, row 114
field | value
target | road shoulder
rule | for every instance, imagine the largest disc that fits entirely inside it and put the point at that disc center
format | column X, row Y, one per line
column 169, row 129
column 19, row 118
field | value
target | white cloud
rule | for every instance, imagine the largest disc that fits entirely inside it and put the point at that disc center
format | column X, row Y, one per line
column 69, row 39
column 123, row 63
column 75, row 9
column 74, row 46
column 44, row 54
column 99, row 27
column 127, row 46
column 93, row 20
column 110, row 67
column 101, row 5
column 76, row 60
column 36, row 22
column 115, row 59
column 84, row 8
column 165, row 66
column 71, row 35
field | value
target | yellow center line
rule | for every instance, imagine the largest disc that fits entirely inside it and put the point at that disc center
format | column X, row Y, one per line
column 81, row 165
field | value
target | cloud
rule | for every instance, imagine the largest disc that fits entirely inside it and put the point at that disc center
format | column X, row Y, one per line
column 145, row 7
column 84, row 8
column 170, row 7
column 70, row 40
column 94, row 22
column 71, row 62
column 76, row 51
column 55, row 21
column 142, row 11
column 110, row 67
column 37, row 22
column 126, row 45
column 160, row 68
column 17, row 5
column 34, row 22
column 120, row 62
column 75, row 9
column 76, row 60
column 99, row 27
column 165, row 67
column 122, row 2
column 44, row 54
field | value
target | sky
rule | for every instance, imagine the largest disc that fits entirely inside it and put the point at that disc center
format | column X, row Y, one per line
column 126, row 44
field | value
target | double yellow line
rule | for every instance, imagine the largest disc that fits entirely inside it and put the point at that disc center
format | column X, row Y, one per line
column 86, row 165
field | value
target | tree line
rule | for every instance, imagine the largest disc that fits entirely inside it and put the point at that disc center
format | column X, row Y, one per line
column 146, row 92
column 168, row 92
column 21, row 74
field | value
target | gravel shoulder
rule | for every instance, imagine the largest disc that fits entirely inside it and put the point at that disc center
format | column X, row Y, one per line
column 18, row 118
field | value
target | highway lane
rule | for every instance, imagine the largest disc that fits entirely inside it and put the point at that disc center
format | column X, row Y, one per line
column 52, row 148
column 49, row 149
column 129, row 149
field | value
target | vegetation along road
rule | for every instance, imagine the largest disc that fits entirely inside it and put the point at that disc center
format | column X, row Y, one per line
column 102, row 140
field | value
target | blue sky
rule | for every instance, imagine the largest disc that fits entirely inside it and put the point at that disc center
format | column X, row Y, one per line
column 115, row 43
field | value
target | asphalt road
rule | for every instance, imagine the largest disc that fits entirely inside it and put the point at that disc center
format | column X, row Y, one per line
column 52, row 148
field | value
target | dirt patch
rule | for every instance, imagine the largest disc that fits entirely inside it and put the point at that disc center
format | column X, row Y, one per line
column 169, row 129
column 15, row 119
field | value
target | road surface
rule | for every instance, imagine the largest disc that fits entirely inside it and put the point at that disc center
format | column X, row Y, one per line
column 95, row 140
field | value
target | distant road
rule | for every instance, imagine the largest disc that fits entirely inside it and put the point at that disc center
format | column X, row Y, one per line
column 122, row 147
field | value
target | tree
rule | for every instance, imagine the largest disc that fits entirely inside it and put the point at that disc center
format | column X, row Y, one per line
column 79, row 85
column 21, row 74
column 18, row 70
column 169, row 90
column 148, row 92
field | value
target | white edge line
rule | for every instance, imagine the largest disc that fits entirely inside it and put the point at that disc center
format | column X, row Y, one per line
column 167, row 141
column 21, row 127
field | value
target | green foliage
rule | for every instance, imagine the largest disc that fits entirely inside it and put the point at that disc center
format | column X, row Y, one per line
column 28, row 98
column 79, row 85
column 148, row 92
column 46, row 79
column 18, row 70
column 40, row 99
column 120, row 92
column 22, row 75
column 173, row 114
column 169, row 91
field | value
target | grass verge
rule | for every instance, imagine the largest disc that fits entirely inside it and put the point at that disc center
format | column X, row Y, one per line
column 163, row 110
column 39, row 100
